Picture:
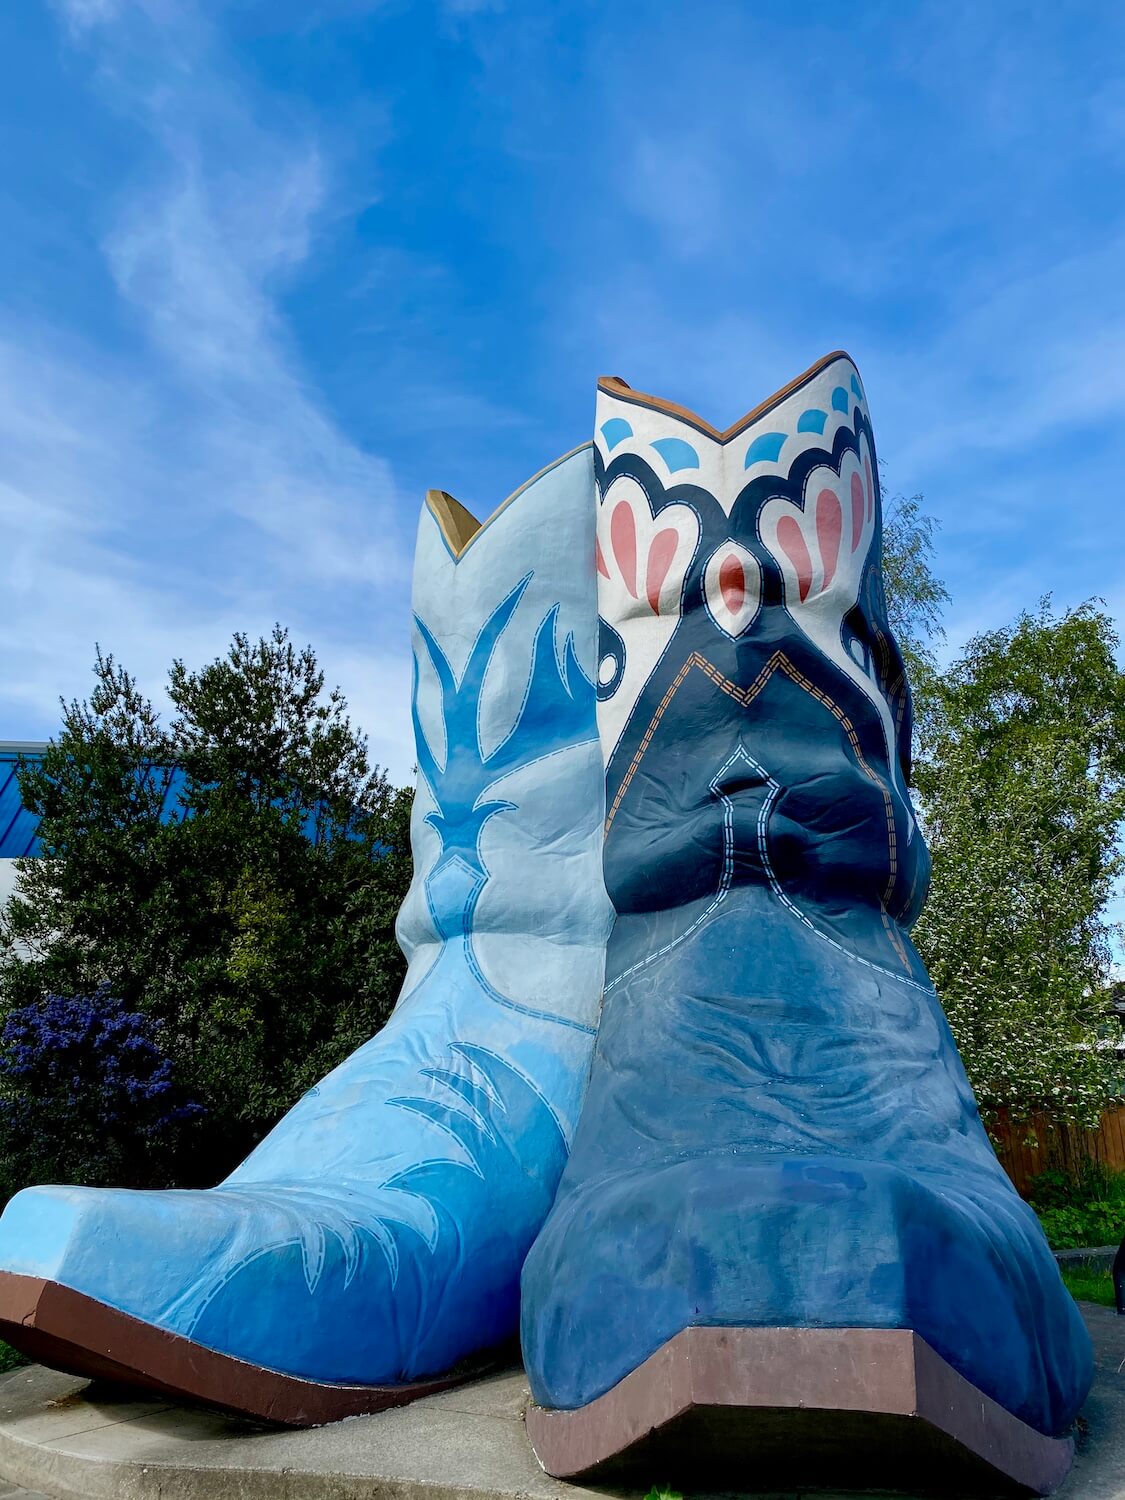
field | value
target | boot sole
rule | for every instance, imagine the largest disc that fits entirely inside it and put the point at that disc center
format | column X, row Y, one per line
column 57, row 1326
column 785, row 1408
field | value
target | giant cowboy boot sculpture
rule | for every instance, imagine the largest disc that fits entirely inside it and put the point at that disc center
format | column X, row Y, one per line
column 373, row 1241
column 782, row 1227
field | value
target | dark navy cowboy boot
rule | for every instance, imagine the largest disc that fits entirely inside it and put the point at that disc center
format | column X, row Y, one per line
column 779, row 1150
column 371, row 1245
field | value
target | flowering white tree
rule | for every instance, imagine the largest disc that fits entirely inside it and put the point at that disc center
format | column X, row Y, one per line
column 1022, row 788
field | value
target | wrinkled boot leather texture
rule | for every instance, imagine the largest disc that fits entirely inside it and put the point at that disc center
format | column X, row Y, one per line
column 778, row 1129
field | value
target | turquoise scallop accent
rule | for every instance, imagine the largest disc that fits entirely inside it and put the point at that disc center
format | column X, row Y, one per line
column 812, row 420
column 764, row 448
column 840, row 400
column 677, row 454
column 615, row 431
column 857, row 389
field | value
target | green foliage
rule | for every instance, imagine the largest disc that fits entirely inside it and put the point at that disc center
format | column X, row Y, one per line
column 256, row 928
column 1081, row 1208
column 916, row 597
column 1020, row 779
column 1058, row 1189
column 1022, row 791
column 1074, row 1228
column 1090, row 1180
column 10, row 1359
column 1086, row 1285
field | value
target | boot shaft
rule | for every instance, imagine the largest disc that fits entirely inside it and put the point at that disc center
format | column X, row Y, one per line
column 507, row 819
column 754, row 713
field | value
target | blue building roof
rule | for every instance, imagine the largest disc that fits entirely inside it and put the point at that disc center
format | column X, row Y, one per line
column 18, row 827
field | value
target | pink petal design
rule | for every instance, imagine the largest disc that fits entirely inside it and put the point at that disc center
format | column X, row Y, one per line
column 661, row 556
column 792, row 543
column 623, row 536
column 732, row 583
column 829, row 528
column 857, row 510
column 599, row 559
column 870, row 489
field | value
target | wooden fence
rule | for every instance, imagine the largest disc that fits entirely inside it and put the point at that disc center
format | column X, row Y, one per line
column 1039, row 1144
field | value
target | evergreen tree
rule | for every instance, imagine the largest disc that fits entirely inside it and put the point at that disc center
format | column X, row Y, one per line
column 232, row 875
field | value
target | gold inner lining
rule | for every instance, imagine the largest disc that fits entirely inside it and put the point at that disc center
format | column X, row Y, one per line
column 458, row 525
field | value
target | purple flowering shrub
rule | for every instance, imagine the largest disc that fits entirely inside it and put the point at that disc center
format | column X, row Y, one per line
column 87, row 1093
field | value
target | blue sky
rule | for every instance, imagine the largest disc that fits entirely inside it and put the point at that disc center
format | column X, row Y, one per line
column 269, row 268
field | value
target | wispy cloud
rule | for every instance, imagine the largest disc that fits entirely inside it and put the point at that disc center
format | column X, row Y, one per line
column 889, row 182
column 593, row 193
column 81, row 15
column 192, row 482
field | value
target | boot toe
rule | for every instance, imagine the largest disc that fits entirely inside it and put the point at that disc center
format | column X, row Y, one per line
column 266, row 1276
column 624, row 1264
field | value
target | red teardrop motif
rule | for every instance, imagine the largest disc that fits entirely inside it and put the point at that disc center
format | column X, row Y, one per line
column 857, row 511
column 661, row 556
column 792, row 543
column 732, row 583
column 623, row 536
column 829, row 527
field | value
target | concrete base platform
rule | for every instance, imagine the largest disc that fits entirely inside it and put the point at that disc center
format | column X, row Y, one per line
column 62, row 1438
column 76, row 1441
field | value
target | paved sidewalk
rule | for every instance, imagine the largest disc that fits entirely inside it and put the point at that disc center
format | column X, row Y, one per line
column 76, row 1442
column 69, row 1441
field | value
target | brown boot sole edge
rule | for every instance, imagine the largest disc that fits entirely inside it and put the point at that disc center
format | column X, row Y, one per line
column 57, row 1326
column 776, row 1408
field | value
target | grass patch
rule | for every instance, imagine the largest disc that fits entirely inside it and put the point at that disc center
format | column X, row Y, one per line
column 1086, row 1285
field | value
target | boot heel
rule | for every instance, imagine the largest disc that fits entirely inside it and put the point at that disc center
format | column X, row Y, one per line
column 786, row 1408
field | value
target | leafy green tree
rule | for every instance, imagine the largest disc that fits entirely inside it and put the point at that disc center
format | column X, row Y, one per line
column 255, row 926
column 916, row 597
column 1022, row 789
column 1020, row 779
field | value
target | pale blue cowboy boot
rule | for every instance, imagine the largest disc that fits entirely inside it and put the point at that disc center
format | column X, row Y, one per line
column 374, row 1240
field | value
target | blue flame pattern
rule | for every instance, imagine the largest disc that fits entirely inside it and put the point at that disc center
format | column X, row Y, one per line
column 557, row 711
column 397, row 1281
